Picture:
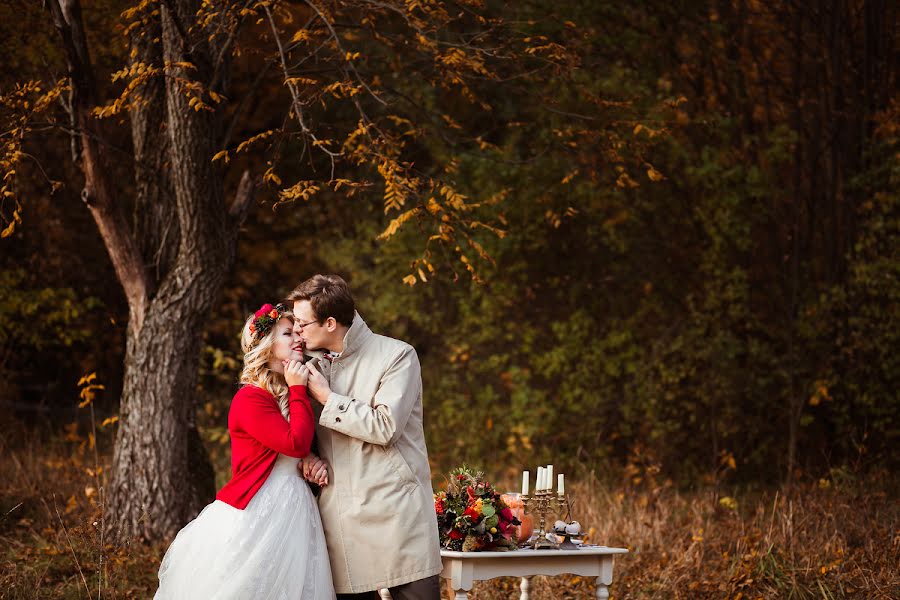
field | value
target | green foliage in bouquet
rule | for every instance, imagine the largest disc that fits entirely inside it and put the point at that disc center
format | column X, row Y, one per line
column 471, row 515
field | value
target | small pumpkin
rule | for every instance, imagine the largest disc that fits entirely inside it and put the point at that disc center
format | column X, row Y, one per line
column 515, row 504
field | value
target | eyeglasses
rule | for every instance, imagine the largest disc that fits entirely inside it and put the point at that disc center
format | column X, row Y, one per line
column 300, row 326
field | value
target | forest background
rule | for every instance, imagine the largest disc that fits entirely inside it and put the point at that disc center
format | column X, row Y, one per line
column 653, row 243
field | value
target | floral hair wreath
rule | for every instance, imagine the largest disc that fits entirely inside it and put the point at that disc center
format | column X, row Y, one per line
column 265, row 318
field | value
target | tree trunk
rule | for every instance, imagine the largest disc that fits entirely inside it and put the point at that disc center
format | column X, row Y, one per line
column 183, row 232
column 155, row 487
column 154, row 218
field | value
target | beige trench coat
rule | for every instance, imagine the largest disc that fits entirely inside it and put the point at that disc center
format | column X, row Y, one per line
column 378, row 510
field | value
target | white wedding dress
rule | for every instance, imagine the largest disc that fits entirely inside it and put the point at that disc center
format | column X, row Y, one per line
column 274, row 549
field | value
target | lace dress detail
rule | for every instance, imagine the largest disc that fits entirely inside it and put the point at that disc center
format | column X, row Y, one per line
column 274, row 549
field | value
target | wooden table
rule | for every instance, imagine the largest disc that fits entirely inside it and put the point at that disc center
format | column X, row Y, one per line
column 464, row 568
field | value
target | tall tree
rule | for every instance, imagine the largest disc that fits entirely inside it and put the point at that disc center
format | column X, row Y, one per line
column 335, row 97
column 171, row 263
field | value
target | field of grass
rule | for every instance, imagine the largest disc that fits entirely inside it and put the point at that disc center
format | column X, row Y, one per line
column 837, row 537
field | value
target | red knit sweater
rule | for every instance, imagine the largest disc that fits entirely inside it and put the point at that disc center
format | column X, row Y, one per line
column 259, row 432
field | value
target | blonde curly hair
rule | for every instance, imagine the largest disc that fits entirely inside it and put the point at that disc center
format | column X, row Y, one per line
column 256, row 371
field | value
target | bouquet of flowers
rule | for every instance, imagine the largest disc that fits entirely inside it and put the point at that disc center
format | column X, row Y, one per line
column 472, row 516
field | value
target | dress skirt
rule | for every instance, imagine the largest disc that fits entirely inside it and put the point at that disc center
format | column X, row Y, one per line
column 274, row 549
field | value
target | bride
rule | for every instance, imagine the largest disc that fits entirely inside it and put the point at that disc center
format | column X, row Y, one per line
column 262, row 537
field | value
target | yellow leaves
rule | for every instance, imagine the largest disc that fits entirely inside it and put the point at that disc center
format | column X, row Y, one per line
column 301, row 81
column 350, row 56
column 451, row 123
column 458, row 60
column 302, row 35
column 396, row 185
column 653, row 174
column 252, row 140
column 395, row 224
column 820, row 394
column 16, row 220
column 197, row 104
column 495, row 230
column 727, row 502
column 456, row 200
column 405, row 123
column 89, row 389
column 625, row 181
column 726, row 460
column 550, row 50
column 410, row 280
column 485, row 145
column 271, row 177
column 109, row 421
column 222, row 155
column 569, row 177
column 302, row 190
column 71, row 504
column 342, row 89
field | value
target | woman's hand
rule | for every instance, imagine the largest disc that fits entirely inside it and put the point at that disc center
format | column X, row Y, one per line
column 314, row 469
column 295, row 373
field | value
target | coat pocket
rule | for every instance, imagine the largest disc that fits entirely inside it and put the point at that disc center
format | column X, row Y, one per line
column 400, row 467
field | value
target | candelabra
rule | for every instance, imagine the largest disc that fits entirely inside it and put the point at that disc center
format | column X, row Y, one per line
column 540, row 503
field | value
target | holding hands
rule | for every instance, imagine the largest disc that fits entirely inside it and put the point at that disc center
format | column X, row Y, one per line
column 314, row 469
column 296, row 373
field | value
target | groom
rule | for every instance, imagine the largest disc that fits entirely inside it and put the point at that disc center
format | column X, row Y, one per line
column 378, row 509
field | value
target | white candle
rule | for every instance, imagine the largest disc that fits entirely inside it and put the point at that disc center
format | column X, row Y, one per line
column 549, row 477
column 525, row 476
column 560, row 485
column 539, row 484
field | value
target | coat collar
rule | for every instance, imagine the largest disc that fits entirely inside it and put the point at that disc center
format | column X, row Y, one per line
column 356, row 336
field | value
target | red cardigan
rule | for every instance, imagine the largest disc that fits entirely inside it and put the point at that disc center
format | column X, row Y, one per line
column 259, row 433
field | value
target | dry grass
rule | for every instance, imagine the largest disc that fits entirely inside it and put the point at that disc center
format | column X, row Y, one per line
column 836, row 538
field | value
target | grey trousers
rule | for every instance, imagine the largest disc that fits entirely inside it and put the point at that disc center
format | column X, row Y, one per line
column 423, row 589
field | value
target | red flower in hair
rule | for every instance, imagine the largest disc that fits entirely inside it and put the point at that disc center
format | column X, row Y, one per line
column 266, row 309
column 265, row 318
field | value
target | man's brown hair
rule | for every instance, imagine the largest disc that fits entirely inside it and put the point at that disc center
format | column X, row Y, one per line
column 329, row 296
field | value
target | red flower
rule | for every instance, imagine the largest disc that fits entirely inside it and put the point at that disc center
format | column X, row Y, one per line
column 264, row 310
column 460, row 477
column 456, row 534
column 252, row 327
column 473, row 513
column 506, row 514
column 273, row 313
column 439, row 507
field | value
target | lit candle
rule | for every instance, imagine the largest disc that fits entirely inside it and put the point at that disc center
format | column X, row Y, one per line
column 560, row 485
column 549, row 477
column 525, row 476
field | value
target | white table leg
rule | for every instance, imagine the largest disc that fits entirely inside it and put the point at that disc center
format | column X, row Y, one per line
column 461, row 578
column 605, row 578
column 525, row 586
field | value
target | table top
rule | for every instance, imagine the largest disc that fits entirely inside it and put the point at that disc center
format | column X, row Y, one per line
column 529, row 552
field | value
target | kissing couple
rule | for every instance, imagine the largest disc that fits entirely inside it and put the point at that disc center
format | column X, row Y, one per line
column 356, row 396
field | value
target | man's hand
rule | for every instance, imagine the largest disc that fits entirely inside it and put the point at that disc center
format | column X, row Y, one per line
column 317, row 385
column 314, row 469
